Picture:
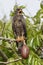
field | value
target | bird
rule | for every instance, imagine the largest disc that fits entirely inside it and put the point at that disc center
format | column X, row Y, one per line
column 19, row 28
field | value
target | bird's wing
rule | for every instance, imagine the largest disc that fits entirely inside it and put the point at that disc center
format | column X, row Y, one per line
column 14, row 25
column 24, row 26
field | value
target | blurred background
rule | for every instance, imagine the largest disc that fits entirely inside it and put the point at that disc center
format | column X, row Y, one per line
column 32, row 6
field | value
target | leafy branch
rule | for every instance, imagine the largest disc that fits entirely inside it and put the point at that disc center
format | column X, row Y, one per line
column 11, row 61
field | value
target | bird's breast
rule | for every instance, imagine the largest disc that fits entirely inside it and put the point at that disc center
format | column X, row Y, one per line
column 18, row 24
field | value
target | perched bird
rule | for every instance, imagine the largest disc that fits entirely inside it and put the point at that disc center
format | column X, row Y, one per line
column 19, row 28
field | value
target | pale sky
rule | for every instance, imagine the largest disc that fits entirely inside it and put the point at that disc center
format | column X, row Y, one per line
column 32, row 6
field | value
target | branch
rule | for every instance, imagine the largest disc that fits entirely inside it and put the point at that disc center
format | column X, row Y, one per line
column 8, row 39
column 11, row 40
column 11, row 61
column 3, row 55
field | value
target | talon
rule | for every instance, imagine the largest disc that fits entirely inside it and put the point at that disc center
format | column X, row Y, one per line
column 20, row 38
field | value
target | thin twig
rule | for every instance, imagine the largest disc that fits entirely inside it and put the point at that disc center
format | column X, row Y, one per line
column 10, row 61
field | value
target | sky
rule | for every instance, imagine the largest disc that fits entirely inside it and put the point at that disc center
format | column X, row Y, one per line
column 32, row 6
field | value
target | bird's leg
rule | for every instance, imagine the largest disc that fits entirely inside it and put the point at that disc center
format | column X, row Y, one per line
column 22, row 37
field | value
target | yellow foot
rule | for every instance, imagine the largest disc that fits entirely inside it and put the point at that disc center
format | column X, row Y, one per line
column 21, row 38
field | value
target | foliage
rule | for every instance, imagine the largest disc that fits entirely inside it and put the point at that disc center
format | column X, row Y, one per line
column 41, row 4
column 34, row 36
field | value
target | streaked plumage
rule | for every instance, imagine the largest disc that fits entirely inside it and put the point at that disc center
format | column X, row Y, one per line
column 19, row 25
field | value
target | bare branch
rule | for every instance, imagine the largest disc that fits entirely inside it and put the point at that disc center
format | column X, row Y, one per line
column 11, row 61
column 8, row 39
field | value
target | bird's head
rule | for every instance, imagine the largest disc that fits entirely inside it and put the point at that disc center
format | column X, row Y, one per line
column 19, row 11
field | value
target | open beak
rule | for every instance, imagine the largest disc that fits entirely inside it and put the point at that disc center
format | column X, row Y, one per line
column 20, row 11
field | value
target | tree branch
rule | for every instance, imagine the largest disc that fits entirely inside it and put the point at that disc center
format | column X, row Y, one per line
column 3, row 55
column 11, row 61
column 8, row 39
